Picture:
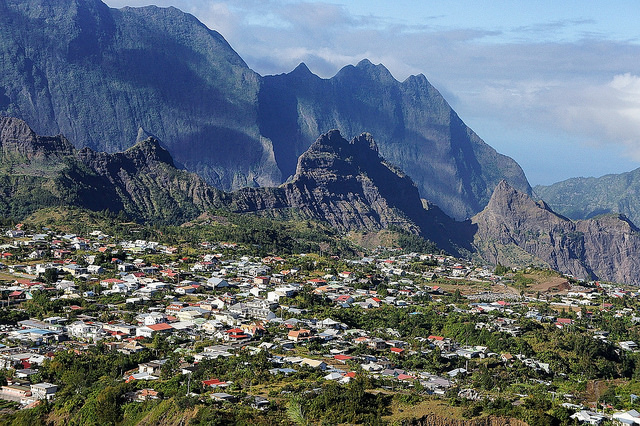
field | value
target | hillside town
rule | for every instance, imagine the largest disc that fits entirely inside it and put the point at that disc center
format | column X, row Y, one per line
column 427, row 325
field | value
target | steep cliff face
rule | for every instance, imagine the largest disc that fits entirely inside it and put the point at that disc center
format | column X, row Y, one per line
column 515, row 230
column 97, row 75
column 21, row 146
column 414, row 126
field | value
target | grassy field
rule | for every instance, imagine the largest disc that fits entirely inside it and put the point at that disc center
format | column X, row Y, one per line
column 401, row 411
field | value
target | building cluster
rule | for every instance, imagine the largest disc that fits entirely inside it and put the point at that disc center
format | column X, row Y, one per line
column 126, row 293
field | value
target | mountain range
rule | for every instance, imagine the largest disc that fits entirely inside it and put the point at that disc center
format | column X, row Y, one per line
column 163, row 120
column 583, row 198
column 346, row 184
column 98, row 75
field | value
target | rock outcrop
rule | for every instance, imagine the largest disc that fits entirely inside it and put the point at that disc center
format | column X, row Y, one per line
column 516, row 230
column 20, row 145
column 344, row 183
column 142, row 181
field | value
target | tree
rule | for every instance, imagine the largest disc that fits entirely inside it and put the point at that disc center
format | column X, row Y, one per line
column 501, row 269
column 457, row 296
column 295, row 412
column 108, row 412
column 50, row 275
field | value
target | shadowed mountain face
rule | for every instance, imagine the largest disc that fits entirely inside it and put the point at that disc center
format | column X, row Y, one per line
column 98, row 75
column 414, row 127
column 515, row 230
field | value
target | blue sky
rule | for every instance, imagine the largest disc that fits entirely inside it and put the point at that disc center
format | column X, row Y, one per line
column 555, row 85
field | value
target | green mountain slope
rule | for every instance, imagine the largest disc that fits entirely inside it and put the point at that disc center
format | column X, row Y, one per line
column 582, row 198
column 142, row 181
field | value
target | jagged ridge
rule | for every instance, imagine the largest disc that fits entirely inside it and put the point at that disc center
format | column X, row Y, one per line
column 97, row 75
column 350, row 186
column 142, row 181
column 344, row 183
column 347, row 184
column 414, row 126
column 515, row 230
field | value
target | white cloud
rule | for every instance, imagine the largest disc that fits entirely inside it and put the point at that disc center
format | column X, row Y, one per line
column 597, row 114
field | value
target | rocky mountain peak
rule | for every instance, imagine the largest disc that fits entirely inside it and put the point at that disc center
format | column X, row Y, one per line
column 378, row 70
column 14, row 129
column 345, row 183
column 332, row 140
column 365, row 69
column 302, row 70
column 142, row 135
column 506, row 200
column 505, row 192
column 366, row 143
column 149, row 151
column 18, row 140
column 515, row 230
column 362, row 146
column 334, row 154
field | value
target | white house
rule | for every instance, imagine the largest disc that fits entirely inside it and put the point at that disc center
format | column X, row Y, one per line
column 631, row 417
column 43, row 390
column 95, row 269
column 629, row 345
column 215, row 282
column 589, row 417
column 85, row 331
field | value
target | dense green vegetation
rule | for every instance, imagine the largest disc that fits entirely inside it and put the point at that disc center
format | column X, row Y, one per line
column 583, row 198
column 261, row 235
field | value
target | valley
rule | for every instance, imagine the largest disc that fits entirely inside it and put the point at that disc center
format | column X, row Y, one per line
column 233, row 330
column 186, row 241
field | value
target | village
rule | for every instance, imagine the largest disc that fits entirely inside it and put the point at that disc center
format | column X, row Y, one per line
column 306, row 316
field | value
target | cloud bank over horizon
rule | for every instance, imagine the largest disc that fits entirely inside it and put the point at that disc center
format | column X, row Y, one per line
column 557, row 89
